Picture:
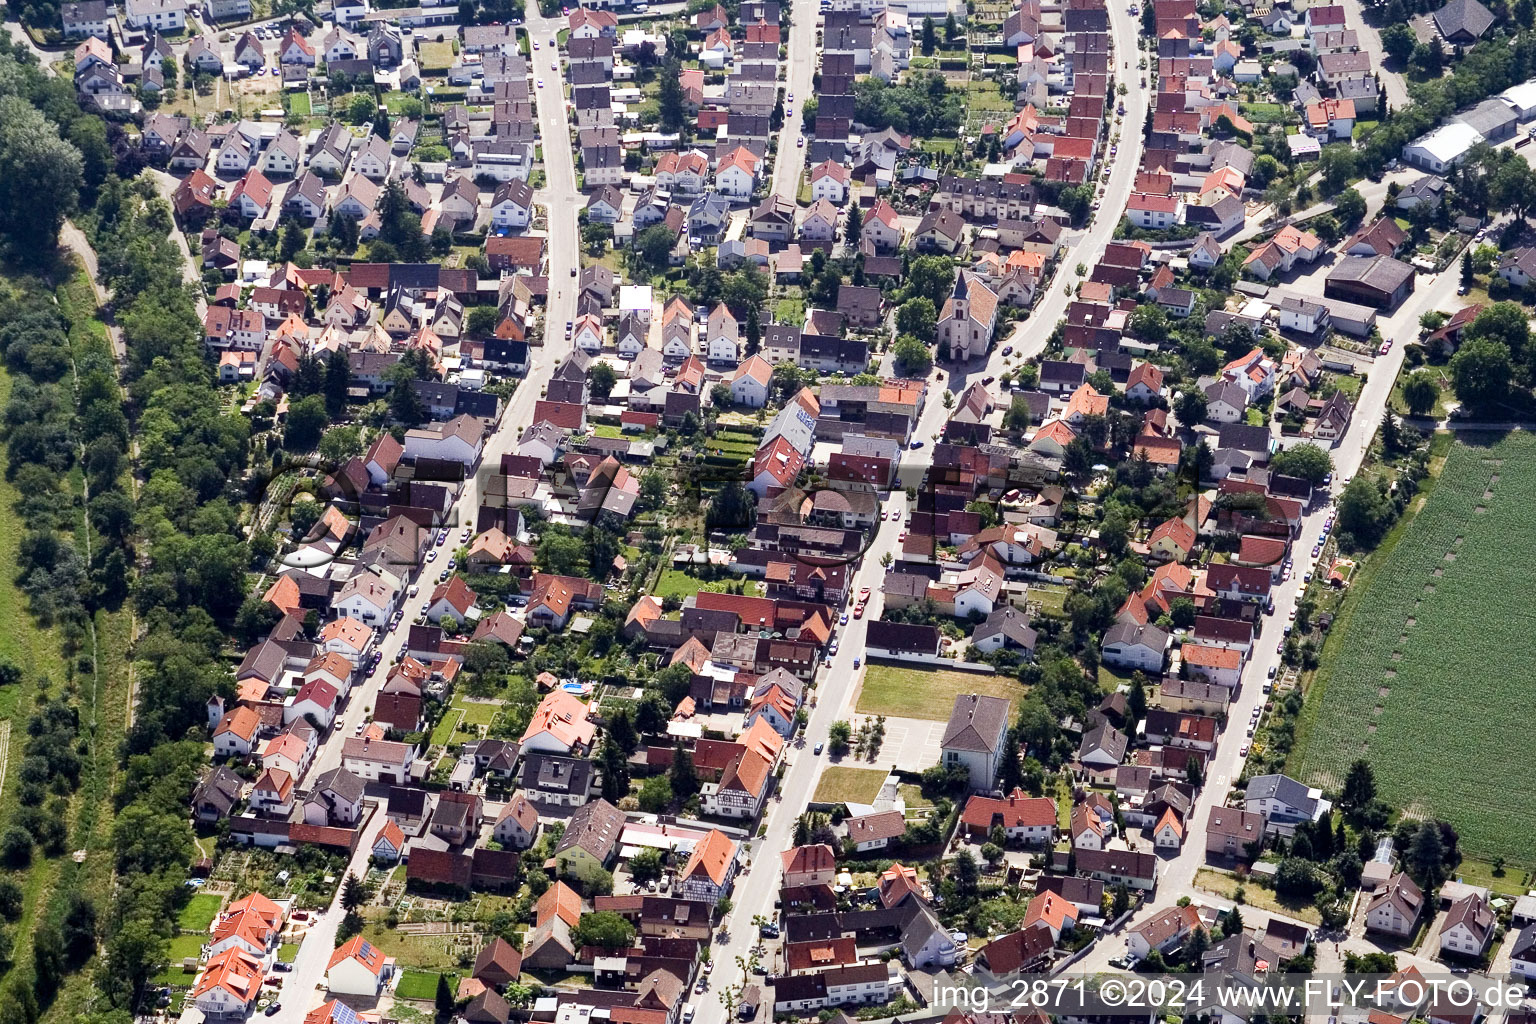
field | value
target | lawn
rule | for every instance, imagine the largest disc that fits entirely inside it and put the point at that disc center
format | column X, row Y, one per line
column 1429, row 658
column 1255, row 895
column 436, row 56
column 982, row 97
column 423, row 953
column 789, row 310
column 442, row 735
column 1053, row 600
column 180, row 948
column 421, row 985
column 1263, row 113
column 1511, row 882
column 913, row 797
column 199, row 913
column 287, row 951
column 926, row 693
column 677, row 583
column 298, row 104
column 1110, row 679
column 477, row 713
column 1440, row 376
column 840, row 784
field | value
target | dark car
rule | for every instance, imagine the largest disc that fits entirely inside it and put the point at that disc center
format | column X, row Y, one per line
column 274, row 1009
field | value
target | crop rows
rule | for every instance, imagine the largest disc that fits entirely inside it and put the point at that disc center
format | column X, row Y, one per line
column 1452, row 736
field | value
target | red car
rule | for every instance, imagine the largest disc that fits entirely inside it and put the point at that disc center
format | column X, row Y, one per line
column 858, row 611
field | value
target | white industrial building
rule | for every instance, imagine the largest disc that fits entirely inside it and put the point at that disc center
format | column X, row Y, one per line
column 1442, row 148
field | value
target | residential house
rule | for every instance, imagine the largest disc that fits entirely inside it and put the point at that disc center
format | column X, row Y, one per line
column 974, row 737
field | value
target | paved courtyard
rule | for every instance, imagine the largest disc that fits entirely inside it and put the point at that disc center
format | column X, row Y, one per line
column 911, row 744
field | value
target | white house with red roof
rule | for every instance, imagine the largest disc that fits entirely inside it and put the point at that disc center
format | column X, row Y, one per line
column 749, row 384
column 391, row 843
column 358, row 968
column 1324, row 19
column 1145, row 383
column 882, row 227
column 452, row 597
column 589, row 23
column 273, row 793
column 736, row 173
column 683, row 173
column 229, row 984
column 295, row 50
column 829, row 181
column 235, row 735
column 775, row 467
column 290, row 750
column 252, row 924
column 251, row 195
column 1254, row 372
column 1154, row 212
column 559, row 726
column 316, row 700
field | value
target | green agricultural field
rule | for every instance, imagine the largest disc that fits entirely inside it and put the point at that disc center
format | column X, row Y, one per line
column 1427, row 670
column 927, row 693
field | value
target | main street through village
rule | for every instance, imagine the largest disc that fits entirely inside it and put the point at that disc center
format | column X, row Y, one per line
column 560, row 200
column 757, row 887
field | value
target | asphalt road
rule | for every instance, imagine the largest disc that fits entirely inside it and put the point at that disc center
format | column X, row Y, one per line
column 1225, row 766
column 757, row 886
column 1370, row 40
column 800, row 68
column 1029, row 337
column 561, row 200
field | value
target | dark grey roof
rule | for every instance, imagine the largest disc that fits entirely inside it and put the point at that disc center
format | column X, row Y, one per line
column 901, row 636
column 1128, row 631
column 976, row 723
column 1243, row 437
column 1011, row 623
column 1280, row 787
column 1492, row 117
column 220, row 788
column 545, row 774
column 1382, row 273
column 342, row 782
column 1105, row 738
column 1460, row 16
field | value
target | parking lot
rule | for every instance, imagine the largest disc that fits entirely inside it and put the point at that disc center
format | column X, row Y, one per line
column 911, row 744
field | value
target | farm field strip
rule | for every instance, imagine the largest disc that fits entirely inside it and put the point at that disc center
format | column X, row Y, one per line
column 1427, row 678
